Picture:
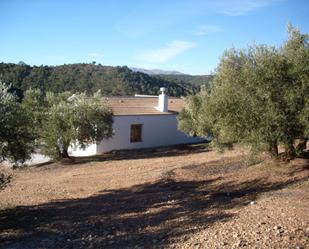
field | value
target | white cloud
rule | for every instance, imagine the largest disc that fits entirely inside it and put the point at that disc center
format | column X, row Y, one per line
column 167, row 52
column 207, row 29
column 243, row 7
column 94, row 55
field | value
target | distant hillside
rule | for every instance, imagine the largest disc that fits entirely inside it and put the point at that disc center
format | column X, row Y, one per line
column 183, row 79
column 154, row 71
column 92, row 77
column 177, row 77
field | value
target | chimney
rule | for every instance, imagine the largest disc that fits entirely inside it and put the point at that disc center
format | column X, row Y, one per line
column 163, row 101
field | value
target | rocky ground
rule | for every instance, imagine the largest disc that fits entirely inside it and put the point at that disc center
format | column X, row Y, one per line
column 183, row 197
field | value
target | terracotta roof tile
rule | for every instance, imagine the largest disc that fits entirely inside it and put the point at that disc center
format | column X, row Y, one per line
column 142, row 105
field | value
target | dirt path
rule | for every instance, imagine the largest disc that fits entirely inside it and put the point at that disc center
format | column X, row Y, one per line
column 181, row 198
column 52, row 182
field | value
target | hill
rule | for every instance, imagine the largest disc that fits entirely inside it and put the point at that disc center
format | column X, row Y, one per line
column 91, row 77
column 183, row 79
column 154, row 71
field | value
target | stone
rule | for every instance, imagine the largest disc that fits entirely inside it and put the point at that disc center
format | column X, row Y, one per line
column 287, row 238
column 235, row 235
column 238, row 243
column 197, row 244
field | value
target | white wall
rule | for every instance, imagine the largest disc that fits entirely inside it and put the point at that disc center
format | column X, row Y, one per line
column 90, row 150
column 158, row 130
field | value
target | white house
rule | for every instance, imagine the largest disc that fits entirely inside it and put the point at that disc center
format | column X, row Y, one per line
column 141, row 122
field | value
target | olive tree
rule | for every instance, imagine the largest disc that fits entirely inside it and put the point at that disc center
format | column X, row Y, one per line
column 74, row 120
column 16, row 130
column 259, row 96
column 296, row 50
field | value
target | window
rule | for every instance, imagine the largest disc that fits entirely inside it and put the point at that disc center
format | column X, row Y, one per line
column 136, row 133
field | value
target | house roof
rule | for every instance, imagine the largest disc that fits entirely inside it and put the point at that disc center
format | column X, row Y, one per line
column 143, row 105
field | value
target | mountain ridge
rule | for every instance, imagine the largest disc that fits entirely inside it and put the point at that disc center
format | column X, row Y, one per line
column 90, row 77
column 156, row 71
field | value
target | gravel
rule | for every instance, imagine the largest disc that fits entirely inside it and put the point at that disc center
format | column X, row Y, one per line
column 199, row 199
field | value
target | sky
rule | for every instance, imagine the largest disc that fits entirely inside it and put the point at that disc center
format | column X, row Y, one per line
column 188, row 36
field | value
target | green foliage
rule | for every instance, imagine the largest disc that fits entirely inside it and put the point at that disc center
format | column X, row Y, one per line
column 58, row 129
column 93, row 77
column 195, row 82
column 74, row 119
column 16, row 134
column 191, row 119
column 259, row 96
column 296, row 50
column 33, row 102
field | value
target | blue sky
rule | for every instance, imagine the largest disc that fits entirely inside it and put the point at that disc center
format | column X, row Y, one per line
column 183, row 35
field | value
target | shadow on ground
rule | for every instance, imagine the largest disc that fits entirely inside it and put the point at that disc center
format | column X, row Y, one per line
column 148, row 215
column 166, row 151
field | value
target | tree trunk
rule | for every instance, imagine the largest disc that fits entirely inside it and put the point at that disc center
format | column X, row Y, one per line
column 64, row 153
column 290, row 152
column 301, row 146
column 273, row 149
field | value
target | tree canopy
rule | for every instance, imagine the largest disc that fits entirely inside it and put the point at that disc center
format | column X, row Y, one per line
column 74, row 120
column 259, row 96
column 53, row 123
column 17, row 139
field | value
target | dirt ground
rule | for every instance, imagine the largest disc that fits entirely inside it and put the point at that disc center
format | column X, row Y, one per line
column 181, row 197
